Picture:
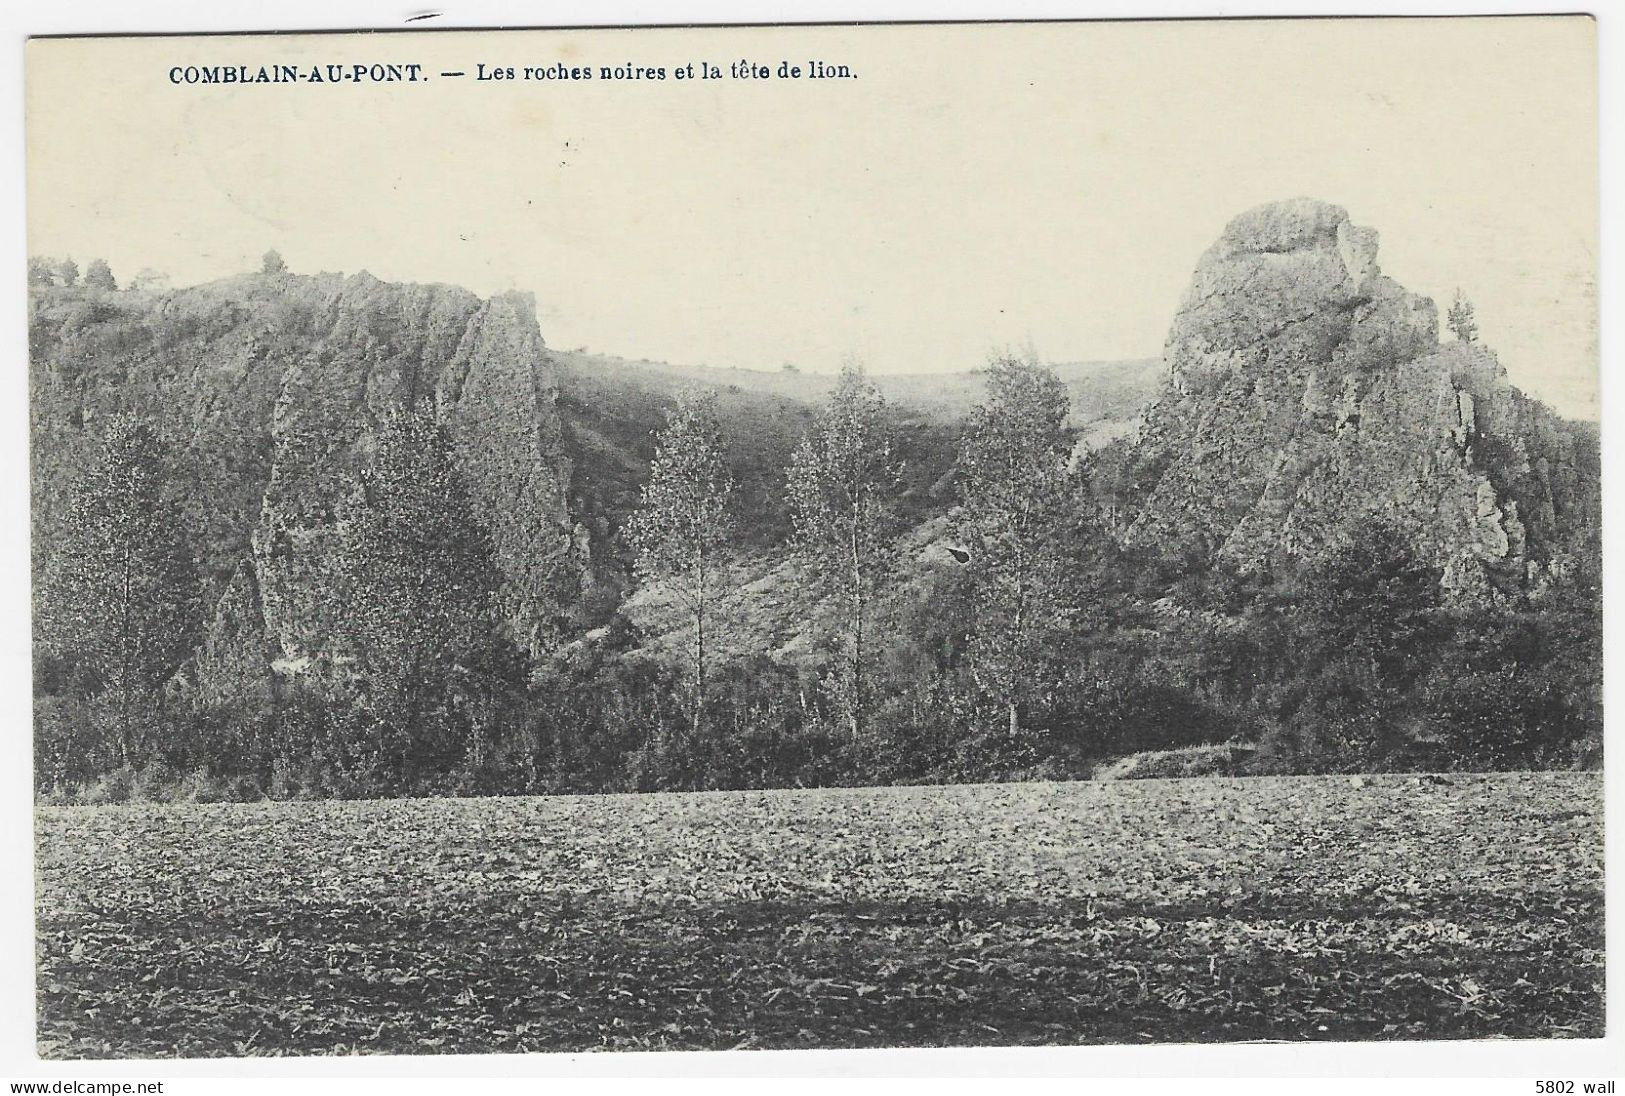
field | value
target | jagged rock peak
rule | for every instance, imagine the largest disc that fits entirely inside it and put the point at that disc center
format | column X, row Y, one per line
column 1293, row 225
column 272, row 389
column 1293, row 284
column 1308, row 397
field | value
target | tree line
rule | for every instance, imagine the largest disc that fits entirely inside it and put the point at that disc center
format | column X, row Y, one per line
column 1026, row 642
column 43, row 270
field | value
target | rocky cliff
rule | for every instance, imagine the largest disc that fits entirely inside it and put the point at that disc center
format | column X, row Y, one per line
column 1304, row 395
column 1308, row 395
column 269, row 389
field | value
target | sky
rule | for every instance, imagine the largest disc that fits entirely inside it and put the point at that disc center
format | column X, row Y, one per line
column 974, row 188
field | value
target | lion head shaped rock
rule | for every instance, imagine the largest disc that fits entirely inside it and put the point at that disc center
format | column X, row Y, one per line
column 1308, row 398
column 1288, row 285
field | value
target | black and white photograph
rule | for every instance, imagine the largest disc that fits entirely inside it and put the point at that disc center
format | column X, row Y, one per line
column 814, row 538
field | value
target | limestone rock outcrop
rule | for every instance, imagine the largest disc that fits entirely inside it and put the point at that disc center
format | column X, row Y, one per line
column 270, row 389
column 1308, row 395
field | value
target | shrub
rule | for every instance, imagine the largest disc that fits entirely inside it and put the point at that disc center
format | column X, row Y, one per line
column 1224, row 759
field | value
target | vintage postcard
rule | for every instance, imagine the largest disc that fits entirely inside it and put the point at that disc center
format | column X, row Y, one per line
column 816, row 537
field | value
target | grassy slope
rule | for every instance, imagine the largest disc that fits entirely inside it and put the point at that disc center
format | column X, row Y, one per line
column 612, row 409
column 612, row 406
column 1291, row 908
column 1101, row 390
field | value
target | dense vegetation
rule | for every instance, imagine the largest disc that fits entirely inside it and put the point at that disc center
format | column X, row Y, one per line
column 1029, row 643
column 1295, row 908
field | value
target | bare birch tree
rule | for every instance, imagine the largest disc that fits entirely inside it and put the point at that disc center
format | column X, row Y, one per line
column 841, row 482
column 680, row 530
column 1018, row 499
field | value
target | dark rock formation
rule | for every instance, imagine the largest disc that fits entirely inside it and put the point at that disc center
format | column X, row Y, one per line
column 235, row 661
column 269, row 390
column 511, row 449
column 1307, row 396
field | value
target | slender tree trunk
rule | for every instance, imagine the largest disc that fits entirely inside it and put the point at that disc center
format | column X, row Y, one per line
column 857, row 668
column 125, row 744
column 699, row 665
column 855, row 699
column 1018, row 645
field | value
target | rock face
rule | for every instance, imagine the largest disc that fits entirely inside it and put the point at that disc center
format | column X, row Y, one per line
column 269, row 389
column 236, row 658
column 1307, row 395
